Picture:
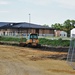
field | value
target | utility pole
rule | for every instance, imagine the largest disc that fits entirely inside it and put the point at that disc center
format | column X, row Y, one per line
column 29, row 22
column 29, row 17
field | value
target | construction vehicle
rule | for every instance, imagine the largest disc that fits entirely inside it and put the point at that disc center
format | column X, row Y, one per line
column 32, row 41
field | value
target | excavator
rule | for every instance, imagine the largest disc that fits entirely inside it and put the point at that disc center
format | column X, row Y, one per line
column 32, row 41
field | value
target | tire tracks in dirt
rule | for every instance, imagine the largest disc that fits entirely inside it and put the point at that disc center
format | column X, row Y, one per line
column 18, row 68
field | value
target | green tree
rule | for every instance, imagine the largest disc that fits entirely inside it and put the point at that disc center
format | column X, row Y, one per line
column 57, row 26
column 46, row 25
column 68, row 25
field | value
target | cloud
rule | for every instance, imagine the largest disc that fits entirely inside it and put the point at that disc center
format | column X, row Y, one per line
column 41, row 2
column 38, row 2
column 66, row 2
column 4, row 11
column 70, row 4
column 62, row 3
column 4, row 2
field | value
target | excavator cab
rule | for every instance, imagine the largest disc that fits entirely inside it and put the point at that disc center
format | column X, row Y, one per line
column 32, row 41
column 32, row 36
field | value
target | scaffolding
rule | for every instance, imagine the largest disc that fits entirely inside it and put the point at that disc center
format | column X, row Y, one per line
column 71, row 53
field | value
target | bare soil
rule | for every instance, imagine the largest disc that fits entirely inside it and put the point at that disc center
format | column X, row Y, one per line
column 29, row 61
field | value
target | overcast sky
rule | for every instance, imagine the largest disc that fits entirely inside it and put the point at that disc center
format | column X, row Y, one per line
column 42, row 11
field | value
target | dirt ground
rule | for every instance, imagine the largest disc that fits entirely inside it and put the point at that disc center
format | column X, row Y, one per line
column 29, row 61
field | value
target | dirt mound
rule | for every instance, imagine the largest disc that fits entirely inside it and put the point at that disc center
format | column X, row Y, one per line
column 56, row 57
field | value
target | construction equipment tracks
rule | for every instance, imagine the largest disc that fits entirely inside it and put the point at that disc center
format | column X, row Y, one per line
column 42, row 47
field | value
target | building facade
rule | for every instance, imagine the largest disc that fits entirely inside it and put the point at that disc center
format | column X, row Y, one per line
column 59, row 33
column 17, row 29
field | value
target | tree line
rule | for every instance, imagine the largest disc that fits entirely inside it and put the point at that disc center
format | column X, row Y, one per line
column 66, row 26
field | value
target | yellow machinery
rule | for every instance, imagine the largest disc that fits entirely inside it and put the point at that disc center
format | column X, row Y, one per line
column 32, row 41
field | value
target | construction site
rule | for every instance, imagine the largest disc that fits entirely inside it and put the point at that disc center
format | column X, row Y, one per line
column 31, row 61
column 15, row 59
column 37, row 37
column 36, row 56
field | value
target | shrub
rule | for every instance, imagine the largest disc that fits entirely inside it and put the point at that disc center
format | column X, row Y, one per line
column 12, row 39
column 58, row 42
column 42, row 41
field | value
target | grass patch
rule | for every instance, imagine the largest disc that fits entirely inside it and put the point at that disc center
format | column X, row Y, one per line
column 58, row 42
column 42, row 41
column 12, row 39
